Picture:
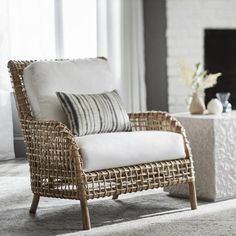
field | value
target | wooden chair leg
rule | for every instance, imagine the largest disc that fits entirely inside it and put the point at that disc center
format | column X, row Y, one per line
column 34, row 204
column 115, row 196
column 85, row 214
column 192, row 195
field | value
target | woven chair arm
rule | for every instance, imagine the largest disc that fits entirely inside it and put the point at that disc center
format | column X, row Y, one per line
column 159, row 120
column 51, row 142
column 155, row 120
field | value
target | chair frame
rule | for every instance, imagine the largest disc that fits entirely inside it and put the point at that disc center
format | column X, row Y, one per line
column 56, row 165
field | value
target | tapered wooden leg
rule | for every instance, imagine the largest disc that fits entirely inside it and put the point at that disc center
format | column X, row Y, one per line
column 115, row 196
column 34, row 204
column 85, row 214
column 192, row 195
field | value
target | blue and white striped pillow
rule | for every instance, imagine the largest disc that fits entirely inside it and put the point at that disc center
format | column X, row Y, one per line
column 95, row 113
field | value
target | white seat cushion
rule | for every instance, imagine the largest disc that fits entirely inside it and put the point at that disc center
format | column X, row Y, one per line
column 110, row 150
column 81, row 76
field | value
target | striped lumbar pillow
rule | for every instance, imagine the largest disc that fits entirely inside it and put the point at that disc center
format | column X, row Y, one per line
column 95, row 113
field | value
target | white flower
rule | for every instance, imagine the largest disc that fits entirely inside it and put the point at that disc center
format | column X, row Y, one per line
column 211, row 80
column 186, row 74
column 197, row 79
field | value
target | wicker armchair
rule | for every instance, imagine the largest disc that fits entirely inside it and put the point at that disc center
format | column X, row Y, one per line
column 56, row 165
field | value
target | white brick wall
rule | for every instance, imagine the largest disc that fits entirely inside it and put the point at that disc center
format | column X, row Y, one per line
column 186, row 21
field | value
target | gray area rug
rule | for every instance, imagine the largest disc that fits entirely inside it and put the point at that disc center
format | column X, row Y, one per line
column 147, row 213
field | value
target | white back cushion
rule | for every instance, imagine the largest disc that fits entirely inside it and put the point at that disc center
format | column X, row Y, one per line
column 81, row 76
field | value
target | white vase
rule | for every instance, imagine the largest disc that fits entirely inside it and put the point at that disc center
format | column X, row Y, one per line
column 214, row 106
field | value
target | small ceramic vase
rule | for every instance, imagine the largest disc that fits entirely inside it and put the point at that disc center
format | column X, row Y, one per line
column 214, row 106
column 197, row 105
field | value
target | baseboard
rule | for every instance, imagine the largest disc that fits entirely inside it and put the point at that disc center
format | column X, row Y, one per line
column 19, row 147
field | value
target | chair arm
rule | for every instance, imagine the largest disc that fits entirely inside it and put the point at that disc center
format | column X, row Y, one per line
column 158, row 120
column 52, row 152
column 155, row 120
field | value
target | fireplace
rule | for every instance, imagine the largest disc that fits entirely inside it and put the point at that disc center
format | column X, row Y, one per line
column 220, row 56
column 189, row 22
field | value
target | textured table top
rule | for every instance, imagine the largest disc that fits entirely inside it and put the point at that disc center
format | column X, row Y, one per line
column 231, row 115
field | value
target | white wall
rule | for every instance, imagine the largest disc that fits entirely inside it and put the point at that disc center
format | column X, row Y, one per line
column 186, row 21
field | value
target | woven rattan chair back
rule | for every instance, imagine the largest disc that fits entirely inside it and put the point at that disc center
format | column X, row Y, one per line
column 16, row 69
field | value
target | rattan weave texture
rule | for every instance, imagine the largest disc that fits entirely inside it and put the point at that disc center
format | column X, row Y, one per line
column 56, row 166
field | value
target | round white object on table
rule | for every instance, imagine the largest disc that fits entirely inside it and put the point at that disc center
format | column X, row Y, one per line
column 214, row 106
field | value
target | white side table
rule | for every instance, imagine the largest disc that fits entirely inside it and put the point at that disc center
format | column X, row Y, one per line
column 213, row 142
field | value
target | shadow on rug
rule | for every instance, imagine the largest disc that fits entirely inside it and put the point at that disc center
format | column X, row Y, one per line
column 55, row 218
column 147, row 213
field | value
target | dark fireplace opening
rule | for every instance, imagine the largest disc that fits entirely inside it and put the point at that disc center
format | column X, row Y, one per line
column 220, row 56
